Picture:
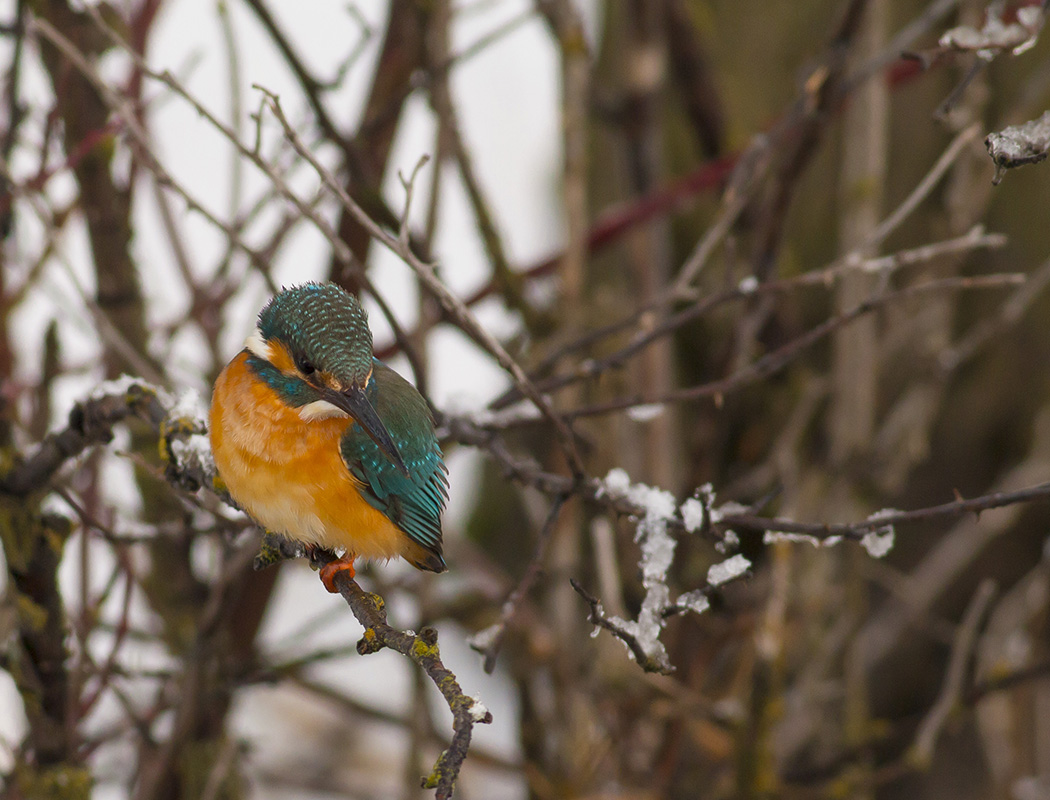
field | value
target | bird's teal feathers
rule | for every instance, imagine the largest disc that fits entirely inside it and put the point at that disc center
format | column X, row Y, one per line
column 413, row 502
column 322, row 324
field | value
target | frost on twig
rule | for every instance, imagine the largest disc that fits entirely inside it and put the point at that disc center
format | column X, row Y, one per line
column 996, row 35
column 732, row 567
column 877, row 541
column 1018, row 145
column 642, row 635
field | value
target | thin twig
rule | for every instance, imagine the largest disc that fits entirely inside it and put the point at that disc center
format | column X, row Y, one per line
column 856, row 530
column 597, row 616
column 954, row 685
column 777, row 360
column 490, row 640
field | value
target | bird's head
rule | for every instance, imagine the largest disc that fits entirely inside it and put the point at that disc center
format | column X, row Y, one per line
column 314, row 342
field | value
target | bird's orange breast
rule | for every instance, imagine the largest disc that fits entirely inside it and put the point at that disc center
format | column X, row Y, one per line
column 287, row 473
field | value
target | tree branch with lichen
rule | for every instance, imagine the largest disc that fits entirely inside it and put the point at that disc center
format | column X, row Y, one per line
column 422, row 648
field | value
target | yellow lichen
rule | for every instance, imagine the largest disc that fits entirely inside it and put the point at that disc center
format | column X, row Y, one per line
column 53, row 783
column 421, row 649
column 431, row 781
column 31, row 615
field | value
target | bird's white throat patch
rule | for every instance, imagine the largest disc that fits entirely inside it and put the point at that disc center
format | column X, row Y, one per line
column 320, row 409
column 258, row 346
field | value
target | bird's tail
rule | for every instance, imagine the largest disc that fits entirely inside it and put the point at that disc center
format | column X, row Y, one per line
column 431, row 562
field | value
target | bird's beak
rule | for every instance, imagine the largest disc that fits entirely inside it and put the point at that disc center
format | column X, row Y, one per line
column 354, row 403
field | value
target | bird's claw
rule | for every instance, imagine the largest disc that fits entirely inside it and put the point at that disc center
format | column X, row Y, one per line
column 333, row 568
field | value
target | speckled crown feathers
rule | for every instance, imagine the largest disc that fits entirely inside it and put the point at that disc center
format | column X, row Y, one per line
column 323, row 324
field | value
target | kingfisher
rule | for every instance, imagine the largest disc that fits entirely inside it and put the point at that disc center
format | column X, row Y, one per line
column 318, row 440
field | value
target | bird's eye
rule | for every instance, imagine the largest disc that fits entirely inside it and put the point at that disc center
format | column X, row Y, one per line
column 305, row 366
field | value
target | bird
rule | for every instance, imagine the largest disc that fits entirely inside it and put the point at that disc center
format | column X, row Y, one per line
column 318, row 440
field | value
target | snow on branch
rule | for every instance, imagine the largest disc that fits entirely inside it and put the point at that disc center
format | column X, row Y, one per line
column 659, row 511
column 181, row 424
column 997, row 35
column 878, row 541
column 658, row 519
column 1018, row 145
column 91, row 422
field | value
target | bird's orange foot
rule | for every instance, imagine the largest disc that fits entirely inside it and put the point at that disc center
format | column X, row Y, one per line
column 333, row 568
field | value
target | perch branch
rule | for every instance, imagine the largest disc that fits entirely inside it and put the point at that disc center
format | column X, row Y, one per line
column 422, row 648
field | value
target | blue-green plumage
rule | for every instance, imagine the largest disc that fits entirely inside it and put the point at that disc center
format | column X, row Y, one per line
column 323, row 324
column 412, row 501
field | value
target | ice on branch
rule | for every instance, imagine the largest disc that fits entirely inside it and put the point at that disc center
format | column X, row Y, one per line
column 182, row 421
column 692, row 514
column 616, row 483
column 725, row 510
column 658, row 547
column 478, row 711
column 725, row 571
column 646, row 412
column 695, row 600
column 730, row 542
column 189, row 405
column 878, row 542
column 772, row 537
column 123, row 384
column 1018, row 145
column 997, row 35
column 695, row 509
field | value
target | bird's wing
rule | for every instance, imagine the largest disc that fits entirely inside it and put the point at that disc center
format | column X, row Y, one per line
column 413, row 502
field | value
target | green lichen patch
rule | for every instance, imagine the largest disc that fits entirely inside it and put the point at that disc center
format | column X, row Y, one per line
column 421, row 649
column 432, row 780
column 31, row 615
column 61, row 782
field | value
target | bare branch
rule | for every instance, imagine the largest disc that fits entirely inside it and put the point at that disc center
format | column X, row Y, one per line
column 954, row 686
column 489, row 641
